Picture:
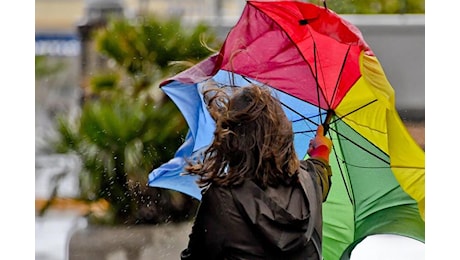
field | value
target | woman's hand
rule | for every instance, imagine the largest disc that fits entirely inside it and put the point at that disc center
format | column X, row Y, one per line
column 320, row 146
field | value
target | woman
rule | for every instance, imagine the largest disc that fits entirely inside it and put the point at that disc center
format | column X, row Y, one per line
column 259, row 201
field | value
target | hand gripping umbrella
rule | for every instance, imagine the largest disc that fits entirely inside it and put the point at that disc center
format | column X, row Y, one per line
column 323, row 72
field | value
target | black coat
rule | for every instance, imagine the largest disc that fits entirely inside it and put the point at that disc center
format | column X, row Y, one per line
column 246, row 222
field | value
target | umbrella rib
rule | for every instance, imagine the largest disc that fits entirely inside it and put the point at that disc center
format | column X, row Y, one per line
column 343, row 178
column 360, row 146
column 407, row 167
column 315, row 51
column 288, row 107
column 299, row 114
column 340, row 74
column 345, row 137
column 318, row 89
column 353, row 111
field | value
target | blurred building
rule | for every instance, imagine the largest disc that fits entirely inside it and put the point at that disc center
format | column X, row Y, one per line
column 53, row 16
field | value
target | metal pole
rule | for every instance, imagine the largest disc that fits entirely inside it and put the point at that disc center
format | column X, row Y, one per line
column 97, row 13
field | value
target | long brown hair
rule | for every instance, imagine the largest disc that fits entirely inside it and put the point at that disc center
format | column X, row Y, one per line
column 253, row 139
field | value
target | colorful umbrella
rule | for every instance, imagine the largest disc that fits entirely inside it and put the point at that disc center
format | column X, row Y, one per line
column 323, row 72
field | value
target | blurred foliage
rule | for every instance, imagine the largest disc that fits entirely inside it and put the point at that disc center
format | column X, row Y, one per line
column 377, row 6
column 126, row 128
column 152, row 49
column 44, row 68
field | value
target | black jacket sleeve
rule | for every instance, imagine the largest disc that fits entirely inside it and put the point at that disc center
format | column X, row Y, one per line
column 321, row 172
column 208, row 231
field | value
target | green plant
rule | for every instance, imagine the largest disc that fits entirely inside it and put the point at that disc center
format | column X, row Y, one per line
column 151, row 49
column 119, row 142
column 378, row 6
column 126, row 128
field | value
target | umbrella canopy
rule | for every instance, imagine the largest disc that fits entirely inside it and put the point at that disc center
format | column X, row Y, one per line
column 323, row 72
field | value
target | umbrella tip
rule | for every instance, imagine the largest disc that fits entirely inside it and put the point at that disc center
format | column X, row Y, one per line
column 324, row 4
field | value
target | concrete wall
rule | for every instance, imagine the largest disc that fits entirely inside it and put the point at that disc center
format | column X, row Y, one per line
column 163, row 242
